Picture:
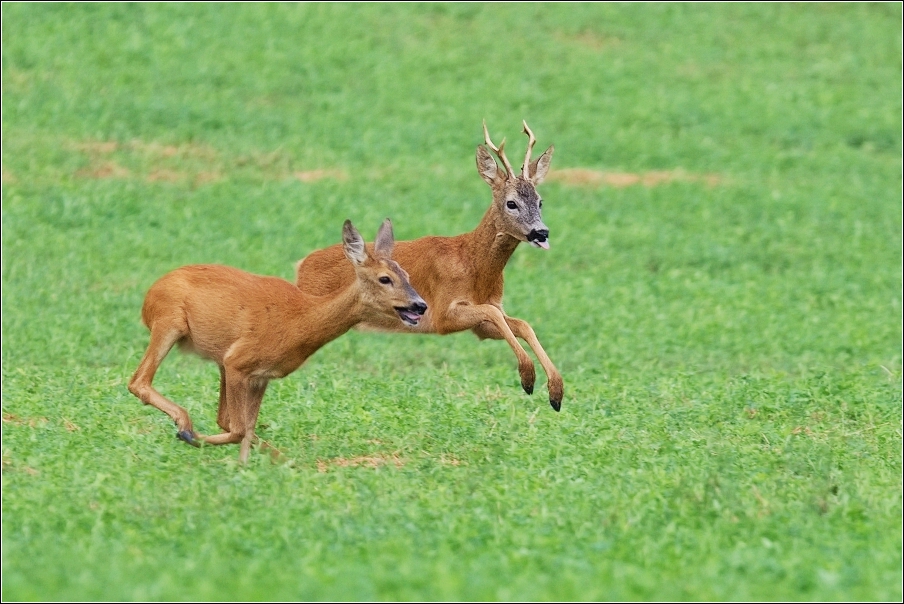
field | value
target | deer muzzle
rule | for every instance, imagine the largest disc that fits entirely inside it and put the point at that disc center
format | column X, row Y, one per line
column 412, row 314
column 539, row 238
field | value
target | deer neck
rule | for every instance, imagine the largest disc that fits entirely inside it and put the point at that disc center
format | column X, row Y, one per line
column 325, row 318
column 490, row 246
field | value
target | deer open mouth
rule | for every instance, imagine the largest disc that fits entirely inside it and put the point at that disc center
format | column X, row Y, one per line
column 539, row 238
column 540, row 244
column 410, row 316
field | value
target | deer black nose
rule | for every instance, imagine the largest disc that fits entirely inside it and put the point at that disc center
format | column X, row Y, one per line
column 538, row 235
column 418, row 307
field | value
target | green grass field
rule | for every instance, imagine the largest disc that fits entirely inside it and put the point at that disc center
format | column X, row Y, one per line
column 723, row 298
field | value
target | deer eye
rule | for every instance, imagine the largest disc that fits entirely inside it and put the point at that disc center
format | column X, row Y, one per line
column 385, row 280
column 541, row 204
column 512, row 205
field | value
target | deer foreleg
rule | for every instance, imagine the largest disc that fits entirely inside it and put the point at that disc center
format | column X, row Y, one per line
column 554, row 384
column 222, row 409
column 238, row 410
column 460, row 317
column 256, row 390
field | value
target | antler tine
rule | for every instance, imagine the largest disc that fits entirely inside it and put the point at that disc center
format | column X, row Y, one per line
column 500, row 151
column 525, row 170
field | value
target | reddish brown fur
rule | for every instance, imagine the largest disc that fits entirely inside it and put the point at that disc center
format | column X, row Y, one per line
column 259, row 328
column 461, row 277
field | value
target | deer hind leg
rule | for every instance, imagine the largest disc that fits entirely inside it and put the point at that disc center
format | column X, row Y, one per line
column 488, row 321
column 553, row 378
column 162, row 341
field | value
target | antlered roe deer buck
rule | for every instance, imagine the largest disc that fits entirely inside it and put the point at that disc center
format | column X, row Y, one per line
column 260, row 328
column 461, row 277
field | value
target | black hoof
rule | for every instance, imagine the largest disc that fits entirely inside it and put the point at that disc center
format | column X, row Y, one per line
column 528, row 388
column 556, row 405
column 189, row 437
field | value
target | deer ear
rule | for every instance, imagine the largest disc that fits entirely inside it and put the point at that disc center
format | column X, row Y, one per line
column 540, row 167
column 487, row 167
column 385, row 239
column 353, row 244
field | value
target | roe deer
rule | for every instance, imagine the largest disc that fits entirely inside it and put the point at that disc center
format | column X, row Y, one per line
column 260, row 328
column 461, row 277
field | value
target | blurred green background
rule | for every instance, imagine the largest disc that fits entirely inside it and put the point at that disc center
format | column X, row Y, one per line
column 722, row 296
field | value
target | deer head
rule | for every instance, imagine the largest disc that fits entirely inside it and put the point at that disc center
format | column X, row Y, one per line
column 383, row 283
column 516, row 202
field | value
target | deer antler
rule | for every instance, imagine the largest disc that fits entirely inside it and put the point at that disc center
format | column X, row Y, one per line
column 500, row 151
column 525, row 170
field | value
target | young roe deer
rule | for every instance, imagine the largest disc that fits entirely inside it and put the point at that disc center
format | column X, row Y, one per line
column 261, row 328
column 461, row 277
